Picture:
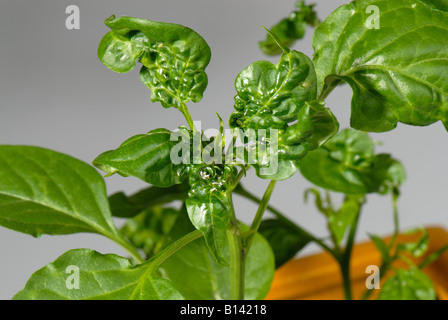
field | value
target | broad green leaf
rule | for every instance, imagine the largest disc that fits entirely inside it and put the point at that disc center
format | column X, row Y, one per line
column 290, row 29
column 398, row 71
column 174, row 57
column 208, row 206
column 197, row 275
column 409, row 284
column 342, row 219
column 347, row 163
column 101, row 277
column 124, row 206
column 284, row 240
column 150, row 229
column 147, row 157
column 46, row 192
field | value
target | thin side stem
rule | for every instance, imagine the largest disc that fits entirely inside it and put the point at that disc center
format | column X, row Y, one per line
column 246, row 194
column 249, row 235
column 385, row 265
column 395, row 195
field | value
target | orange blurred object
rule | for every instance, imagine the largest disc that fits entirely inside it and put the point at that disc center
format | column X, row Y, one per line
column 318, row 277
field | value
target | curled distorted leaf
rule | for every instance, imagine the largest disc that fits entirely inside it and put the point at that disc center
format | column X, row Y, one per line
column 209, row 207
column 147, row 157
column 270, row 96
column 347, row 163
column 276, row 154
column 398, row 71
column 268, row 154
column 174, row 57
column 84, row 274
column 290, row 29
column 46, row 192
column 316, row 124
column 409, row 284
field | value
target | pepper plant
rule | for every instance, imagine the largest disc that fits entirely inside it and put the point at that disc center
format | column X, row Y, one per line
column 183, row 234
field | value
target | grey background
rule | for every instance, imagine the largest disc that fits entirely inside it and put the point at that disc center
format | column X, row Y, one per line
column 56, row 94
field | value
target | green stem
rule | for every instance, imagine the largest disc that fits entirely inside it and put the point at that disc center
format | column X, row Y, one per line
column 385, row 265
column 344, row 261
column 280, row 216
column 248, row 237
column 184, row 109
column 157, row 260
column 119, row 239
column 395, row 195
column 237, row 264
column 237, row 255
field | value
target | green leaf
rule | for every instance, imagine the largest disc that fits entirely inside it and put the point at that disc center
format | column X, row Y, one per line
column 197, row 275
column 417, row 248
column 276, row 154
column 398, row 72
column 316, row 124
column 347, row 163
column 273, row 160
column 150, row 229
column 210, row 214
column 124, row 206
column 101, row 277
column 174, row 57
column 387, row 174
column 382, row 247
column 209, row 207
column 290, row 29
column 46, row 192
column 285, row 241
column 409, row 284
column 147, row 157
column 341, row 220
column 270, row 96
